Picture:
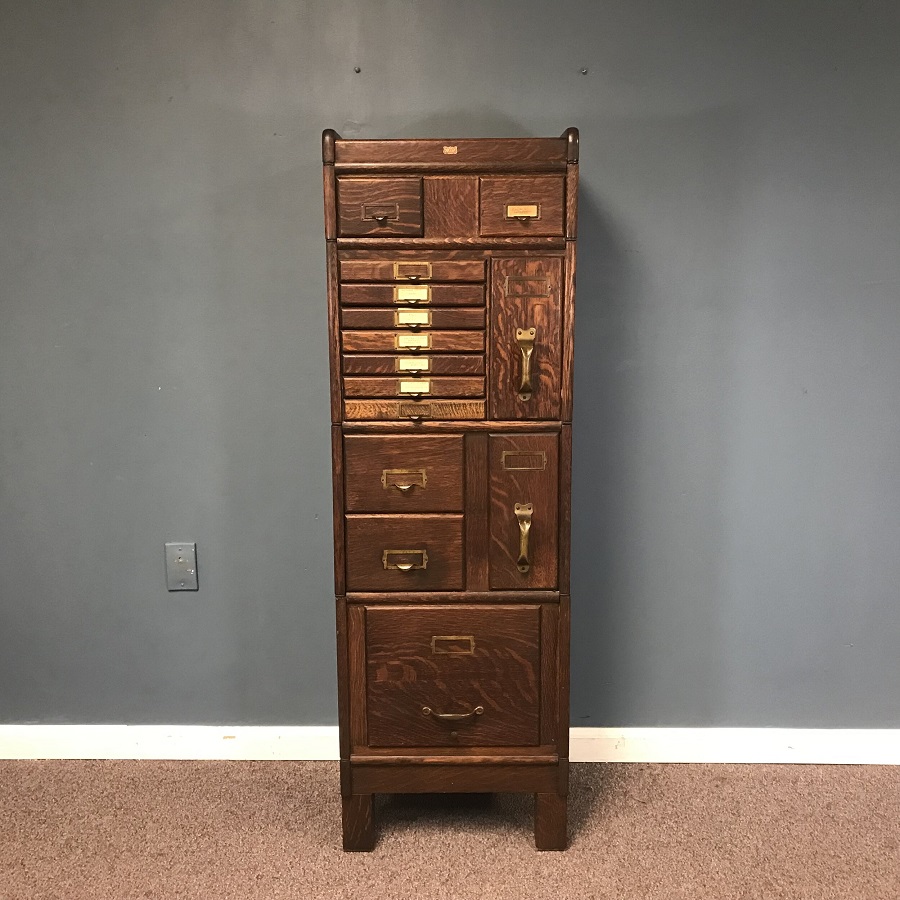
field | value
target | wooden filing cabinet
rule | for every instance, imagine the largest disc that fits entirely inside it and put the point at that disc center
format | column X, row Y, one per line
column 451, row 275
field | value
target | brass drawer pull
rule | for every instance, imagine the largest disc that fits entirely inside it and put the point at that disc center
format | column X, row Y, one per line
column 414, row 271
column 404, row 566
column 453, row 717
column 523, row 211
column 412, row 318
column 404, row 479
column 414, row 365
column 416, row 410
column 523, row 515
column 525, row 340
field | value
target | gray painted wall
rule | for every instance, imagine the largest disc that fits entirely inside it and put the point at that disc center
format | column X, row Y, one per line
column 163, row 370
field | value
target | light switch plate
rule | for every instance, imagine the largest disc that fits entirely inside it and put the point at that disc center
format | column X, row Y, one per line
column 181, row 566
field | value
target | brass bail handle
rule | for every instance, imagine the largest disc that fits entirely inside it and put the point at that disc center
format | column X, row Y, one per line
column 453, row 717
column 525, row 340
column 524, row 512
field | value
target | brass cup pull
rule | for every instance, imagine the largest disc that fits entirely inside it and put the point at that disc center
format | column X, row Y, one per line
column 525, row 340
column 404, row 487
column 380, row 219
column 524, row 512
column 453, row 717
column 404, row 563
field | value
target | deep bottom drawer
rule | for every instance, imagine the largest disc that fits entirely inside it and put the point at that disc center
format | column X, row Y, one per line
column 445, row 676
column 405, row 553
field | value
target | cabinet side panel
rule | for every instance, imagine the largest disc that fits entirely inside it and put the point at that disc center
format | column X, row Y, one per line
column 476, row 523
column 356, row 671
column 565, row 505
column 342, row 680
column 334, row 330
column 568, row 336
column 549, row 672
column 337, row 511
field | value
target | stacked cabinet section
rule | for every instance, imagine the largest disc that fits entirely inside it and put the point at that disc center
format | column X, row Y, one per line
column 451, row 277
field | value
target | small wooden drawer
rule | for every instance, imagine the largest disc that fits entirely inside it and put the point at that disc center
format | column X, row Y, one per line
column 414, row 386
column 522, row 205
column 413, row 317
column 373, row 207
column 404, row 553
column 412, row 341
column 412, row 270
column 412, row 294
column 444, row 676
column 413, row 365
column 412, row 410
column 403, row 473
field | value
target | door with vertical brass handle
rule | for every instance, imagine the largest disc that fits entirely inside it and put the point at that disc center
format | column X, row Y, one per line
column 525, row 340
column 524, row 512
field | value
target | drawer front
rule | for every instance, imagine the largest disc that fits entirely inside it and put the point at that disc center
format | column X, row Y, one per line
column 412, row 294
column 524, row 519
column 412, row 410
column 414, row 386
column 403, row 473
column 412, row 341
column 413, row 318
column 412, row 270
column 419, row 364
column 526, row 357
column 404, row 553
column 379, row 206
column 452, row 676
column 520, row 205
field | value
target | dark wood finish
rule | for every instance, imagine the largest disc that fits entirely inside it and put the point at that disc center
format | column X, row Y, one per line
column 525, row 293
column 477, row 525
column 498, row 194
column 430, row 364
column 437, row 386
column 381, row 268
column 453, row 660
column 439, row 317
column 431, row 269
column 439, row 487
column 379, row 206
column 523, row 469
column 464, row 294
column 440, row 537
column 413, row 410
column 451, row 206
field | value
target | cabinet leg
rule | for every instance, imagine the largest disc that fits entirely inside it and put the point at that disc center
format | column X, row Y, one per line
column 359, row 829
column 550, row 821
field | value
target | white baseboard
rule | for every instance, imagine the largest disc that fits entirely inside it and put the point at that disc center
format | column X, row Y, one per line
column 320, row 742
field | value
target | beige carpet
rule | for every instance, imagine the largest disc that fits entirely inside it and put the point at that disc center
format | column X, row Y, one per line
column 218, row 830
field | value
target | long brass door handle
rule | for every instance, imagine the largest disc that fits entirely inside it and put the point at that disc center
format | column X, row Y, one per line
column 525, row 340
column 524, row 512
column 452, row 717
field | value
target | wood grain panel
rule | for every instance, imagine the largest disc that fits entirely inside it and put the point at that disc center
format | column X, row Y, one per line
column 413, row 411
column 379, row 206
column 562, row 728
column 439, row 457
column 477, row 523
column 549, row 672
column 343, row 680
column 525, row 293
column 431, row 364
column 412, row 664
column 439, row 536
column 448, row 778
column 447, row 597
column 441, row 317
column 506, row 152
column 337, row 507
column 436, row 426
column 546, row 192
column 464, row 294
column 523, row 470
column 437, row 386
column 374, row 341
column 451, row 206
column 356, row 672
column 568, row 336
column 565, row 505
column 358, row 825
column 382, row 269
column 334, row 349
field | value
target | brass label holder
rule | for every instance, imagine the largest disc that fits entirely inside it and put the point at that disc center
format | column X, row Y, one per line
column 404, row 479
column 453, row 644
column 414, row 271
column 523, row 460
column 412, row 341
column 418, row 387
column 415, row 411
column 412, row 318
column 413, row 364
column 406, row 294
column 380, row 212
column 523, row 211
column 404, row 565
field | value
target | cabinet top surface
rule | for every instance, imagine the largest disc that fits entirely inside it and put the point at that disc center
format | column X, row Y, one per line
column 530, row 154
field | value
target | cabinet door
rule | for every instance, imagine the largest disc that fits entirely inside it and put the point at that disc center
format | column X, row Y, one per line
column 524, row 511
column 526, row 343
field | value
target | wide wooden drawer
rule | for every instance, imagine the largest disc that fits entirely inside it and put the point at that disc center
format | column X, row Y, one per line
column 414, row 341
column 413, row 317
column 446, row 676
column 404, row 553
column 409, row 386
column 412, row 270
column 439, row 364
column 403, row 473
column 412, row 410
column 379, row 206
column 522, row 205
column 412, row 294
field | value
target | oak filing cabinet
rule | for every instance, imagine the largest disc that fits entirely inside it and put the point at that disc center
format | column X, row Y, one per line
column 451, row 275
